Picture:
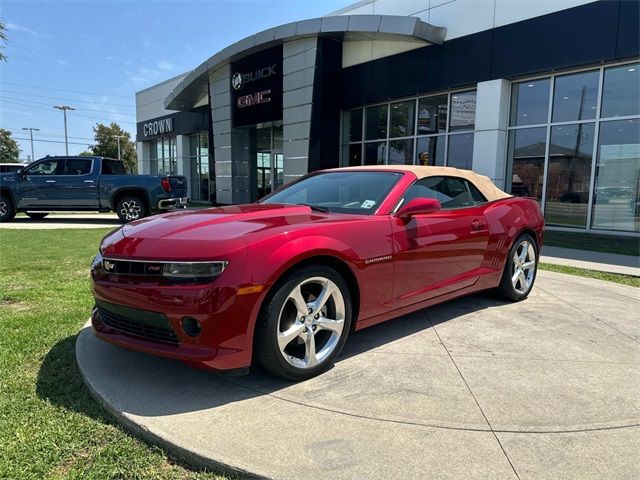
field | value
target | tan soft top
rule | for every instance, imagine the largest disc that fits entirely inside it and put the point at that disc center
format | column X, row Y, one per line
column 484, row 184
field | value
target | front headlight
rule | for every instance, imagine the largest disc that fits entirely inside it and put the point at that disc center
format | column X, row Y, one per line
column 197, row 271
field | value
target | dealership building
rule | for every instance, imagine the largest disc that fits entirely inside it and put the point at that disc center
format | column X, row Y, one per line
column 541, row 96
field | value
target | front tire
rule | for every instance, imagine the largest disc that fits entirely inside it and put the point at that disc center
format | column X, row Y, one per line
column 520, row 269
column 130, row 209
column 7, row 210
column 37, row 215
column 304, row 324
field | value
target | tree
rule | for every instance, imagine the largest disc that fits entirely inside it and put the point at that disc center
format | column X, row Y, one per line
column 3, row 41
column 107, row 144
column 9, row 151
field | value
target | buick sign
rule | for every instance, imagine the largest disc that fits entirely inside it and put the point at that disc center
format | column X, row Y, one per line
column 239, row 79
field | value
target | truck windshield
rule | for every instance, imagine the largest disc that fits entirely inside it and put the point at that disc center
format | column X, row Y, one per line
column 113, row 167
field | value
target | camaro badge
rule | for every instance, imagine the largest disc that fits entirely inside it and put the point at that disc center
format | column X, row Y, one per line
column 378, row 259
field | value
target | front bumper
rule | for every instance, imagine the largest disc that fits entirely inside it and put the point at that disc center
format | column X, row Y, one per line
column 170, row 203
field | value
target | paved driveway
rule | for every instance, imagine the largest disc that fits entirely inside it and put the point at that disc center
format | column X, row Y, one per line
column 475, row 388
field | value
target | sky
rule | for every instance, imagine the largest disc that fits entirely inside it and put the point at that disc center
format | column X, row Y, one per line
column 94, row 56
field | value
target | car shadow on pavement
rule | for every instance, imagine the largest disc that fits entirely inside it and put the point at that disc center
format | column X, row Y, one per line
column 149, row 386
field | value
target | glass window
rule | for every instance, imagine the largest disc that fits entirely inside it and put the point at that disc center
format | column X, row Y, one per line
column 530, row 102
column 401, row 152
column 617, row 187
column 352, row 156
column 430, row 150
column 342, row 192
column 463, row 111
column 569, row 174
column 476, row 195
column 575, row 97
column 432, row 114
column 78, row 166
column 621, row 91
column 352, row 126
column 460, row 153
column 527, row 151
column 375, row 153
column 112, row 167
column 402, row 119
column 451, row 192
column 47, row 167
column 376, row 126
column 278, row 135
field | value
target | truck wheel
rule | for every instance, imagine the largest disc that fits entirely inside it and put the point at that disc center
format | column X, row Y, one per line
column 130, row 208
column 37, row 215
column 7, row 210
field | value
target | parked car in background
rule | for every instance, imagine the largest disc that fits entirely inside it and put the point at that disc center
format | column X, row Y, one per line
column 11, row 167
column 87, row 184
column 283, row 281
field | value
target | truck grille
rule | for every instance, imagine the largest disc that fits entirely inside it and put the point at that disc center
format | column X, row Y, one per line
column 147, row 325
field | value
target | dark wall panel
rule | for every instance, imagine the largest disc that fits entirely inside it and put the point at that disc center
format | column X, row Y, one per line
column 577, row 36
column 628, row 30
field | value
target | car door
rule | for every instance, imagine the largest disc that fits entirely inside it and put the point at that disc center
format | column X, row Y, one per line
column 442, row 251
column 78, row 187
column 36, row 186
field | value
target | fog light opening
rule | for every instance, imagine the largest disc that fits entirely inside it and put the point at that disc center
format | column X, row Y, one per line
column 191, row 326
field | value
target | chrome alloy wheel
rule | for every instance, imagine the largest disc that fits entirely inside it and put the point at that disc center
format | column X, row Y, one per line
column 131, row 210
column 311, row 322
column 3, row 208
column 524, row 267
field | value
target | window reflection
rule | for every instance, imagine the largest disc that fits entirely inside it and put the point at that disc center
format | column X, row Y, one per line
column 375, row 153
column 376, row 126
column 575, row 97
column 352, row 125
column 527, row 150
column 621, row 95
column 463, row 111
column 460, row 153
column 432, row 114
column 402, row 119
column 401, row 152
column 530, row 102
column 617, row 191
column 569, row 174
column 430, row 150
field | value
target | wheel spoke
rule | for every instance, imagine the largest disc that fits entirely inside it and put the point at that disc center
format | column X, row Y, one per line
column 516, row 276
column 298, row 300
column 523, row 280
column 516, row 259
column 531, row 254
column 330, row 324
column 523, row 254
column 327, row 290
column 310, row 358
column 285, row 338
column 528, row 265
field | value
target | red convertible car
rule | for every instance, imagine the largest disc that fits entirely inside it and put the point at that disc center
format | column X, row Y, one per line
column 284, row 281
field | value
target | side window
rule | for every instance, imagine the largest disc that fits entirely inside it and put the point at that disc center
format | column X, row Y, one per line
column 46, row 167
column 112, row 167
column 475, row 194
column 77, row 166
column 451, row 192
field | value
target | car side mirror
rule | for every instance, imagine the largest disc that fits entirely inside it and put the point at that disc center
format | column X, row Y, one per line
column 418, row 206
column 21, row 172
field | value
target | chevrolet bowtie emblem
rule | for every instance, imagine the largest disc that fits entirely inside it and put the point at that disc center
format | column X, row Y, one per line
column 109, row 266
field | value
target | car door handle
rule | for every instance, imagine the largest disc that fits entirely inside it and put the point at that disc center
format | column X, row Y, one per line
column 50, row 181
column 477, row 225
column 88, row 181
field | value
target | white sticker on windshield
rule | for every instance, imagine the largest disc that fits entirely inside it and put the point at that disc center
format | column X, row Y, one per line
column 368, row 204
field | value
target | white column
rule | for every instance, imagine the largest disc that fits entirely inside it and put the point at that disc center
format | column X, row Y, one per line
column 183, row 163
column 143, row 152
column 490, row 139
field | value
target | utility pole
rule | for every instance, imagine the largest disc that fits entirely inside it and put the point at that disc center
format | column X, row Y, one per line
column 118, row 137
column 31, row 130
column 64, row 109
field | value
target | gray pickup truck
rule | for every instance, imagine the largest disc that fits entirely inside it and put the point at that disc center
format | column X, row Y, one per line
column 87, row 184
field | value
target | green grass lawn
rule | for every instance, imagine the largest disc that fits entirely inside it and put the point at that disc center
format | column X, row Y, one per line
column 582, row 272
column 50, row 427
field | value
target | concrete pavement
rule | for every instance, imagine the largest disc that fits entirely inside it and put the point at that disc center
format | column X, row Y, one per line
column 474, row 388
column 604, row 262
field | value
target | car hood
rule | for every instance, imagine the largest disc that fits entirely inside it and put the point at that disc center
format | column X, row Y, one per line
column 209, row 232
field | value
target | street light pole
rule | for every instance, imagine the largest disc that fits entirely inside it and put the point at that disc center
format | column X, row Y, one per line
column 118, row 137
column 64, row 109
column 31, row 130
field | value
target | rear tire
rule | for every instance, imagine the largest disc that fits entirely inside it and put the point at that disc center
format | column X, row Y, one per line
column 37, row 215
column 520, row 269
column 7, row 210
column 130, row 208
column 304, row 323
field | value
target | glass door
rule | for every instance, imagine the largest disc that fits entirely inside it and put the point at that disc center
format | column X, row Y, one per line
column 269, row 160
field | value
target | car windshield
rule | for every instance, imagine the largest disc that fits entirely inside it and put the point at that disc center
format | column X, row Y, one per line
column 341, row 192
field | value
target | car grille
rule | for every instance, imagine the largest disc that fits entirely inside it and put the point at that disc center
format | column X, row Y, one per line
column 154, row 327
column 123, row 267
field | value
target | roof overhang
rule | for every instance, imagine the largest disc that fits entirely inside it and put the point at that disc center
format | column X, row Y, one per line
column 194, row 86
